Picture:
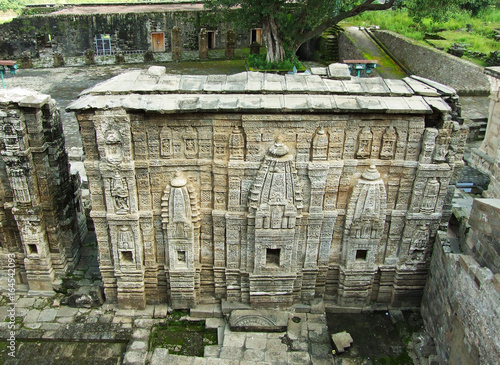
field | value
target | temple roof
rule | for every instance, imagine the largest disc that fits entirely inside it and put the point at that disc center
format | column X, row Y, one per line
column 153, row 90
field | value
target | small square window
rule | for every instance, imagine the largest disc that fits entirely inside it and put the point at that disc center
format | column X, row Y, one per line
column 127, row 257
column 273, row 257
column 361, row 255
column 181, row 257
column 32, row 249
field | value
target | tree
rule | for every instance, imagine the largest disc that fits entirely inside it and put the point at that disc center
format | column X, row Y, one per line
column 287, row 24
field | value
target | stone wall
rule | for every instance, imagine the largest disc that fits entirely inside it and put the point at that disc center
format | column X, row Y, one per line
column 42, row 221
column 466, row 77
column 483, row 242
column 461, row 307
column 347, row 49
column 71, row 35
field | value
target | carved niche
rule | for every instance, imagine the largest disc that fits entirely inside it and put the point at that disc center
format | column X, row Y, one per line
column 237, row 144
column 365, row 143
column 419, row 243
column 388, row 144
column 180, row 217
column 430, row 196
column 190, row 138
column 166, row 142
column 320, row 145
column 120, row 194
column 126, row 245
column 365, row 218
column 114, row 146
column 275, row 202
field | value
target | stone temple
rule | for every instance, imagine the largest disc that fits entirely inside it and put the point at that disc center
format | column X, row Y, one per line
column 268, row 190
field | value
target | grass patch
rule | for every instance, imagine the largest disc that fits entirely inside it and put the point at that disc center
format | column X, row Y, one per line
column 187, row 338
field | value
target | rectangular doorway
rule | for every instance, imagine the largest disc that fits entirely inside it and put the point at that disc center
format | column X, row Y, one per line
column 158, row 42
column 256, row 36
column 211, row 39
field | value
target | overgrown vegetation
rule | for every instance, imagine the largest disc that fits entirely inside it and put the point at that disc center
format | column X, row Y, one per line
column 182, row 337
column 259, row 62
column 476, row 33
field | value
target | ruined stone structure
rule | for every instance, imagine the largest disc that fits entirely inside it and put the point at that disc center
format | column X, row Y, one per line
column 42, row 222
column 265, row 189
column 111, row 29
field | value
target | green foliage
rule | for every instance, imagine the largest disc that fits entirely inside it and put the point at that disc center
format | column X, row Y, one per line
column 259, row 62
column 11, row 4
column 478, row 38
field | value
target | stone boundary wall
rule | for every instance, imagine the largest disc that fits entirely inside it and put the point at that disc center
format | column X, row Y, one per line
column 461, row 307
column 466, row 77
column 71, row 35
column 347, row 49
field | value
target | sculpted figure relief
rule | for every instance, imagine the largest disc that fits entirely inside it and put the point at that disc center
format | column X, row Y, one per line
column 120, row 193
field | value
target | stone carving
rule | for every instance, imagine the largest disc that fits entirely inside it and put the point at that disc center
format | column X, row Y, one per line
column 125, row 238
column 420, row 238
column 20, row 186
column 190, row 143
column 180, row 223
column 430, row 196
column 369, row 201
column 320, row 145
column 442, row 143
column 237, row 144
column 114, row 146
column 364, row 143
column 428, row 145
column 120, row 194
column 388, row 144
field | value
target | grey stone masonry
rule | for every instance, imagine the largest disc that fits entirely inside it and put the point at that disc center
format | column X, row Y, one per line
column 269, row 191
column 42, row 221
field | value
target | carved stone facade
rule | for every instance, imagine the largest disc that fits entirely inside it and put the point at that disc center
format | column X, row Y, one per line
column 265, row 189
column 42, row 221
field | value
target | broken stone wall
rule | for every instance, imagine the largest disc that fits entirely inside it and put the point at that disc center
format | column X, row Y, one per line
column 461, row 307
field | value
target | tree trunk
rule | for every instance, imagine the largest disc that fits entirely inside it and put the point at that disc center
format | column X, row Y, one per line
column 272, row 40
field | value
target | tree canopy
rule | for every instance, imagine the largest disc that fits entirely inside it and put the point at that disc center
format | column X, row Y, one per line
column 287, row 24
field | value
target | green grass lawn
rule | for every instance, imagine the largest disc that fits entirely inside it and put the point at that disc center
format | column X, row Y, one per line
column 477, row 37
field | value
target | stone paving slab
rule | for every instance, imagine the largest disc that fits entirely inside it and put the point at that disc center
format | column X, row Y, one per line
column 47, row 315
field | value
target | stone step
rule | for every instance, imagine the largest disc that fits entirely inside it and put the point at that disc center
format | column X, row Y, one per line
column 206, row 311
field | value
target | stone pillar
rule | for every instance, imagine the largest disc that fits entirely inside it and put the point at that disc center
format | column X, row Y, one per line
column 230, row 43
column 58, row 59
column 119, row 58
column 26, row 60
column 203, row 44
column 89, row 56
column 176, row 43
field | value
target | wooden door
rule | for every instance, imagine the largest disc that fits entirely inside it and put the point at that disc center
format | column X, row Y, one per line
column 158, row 42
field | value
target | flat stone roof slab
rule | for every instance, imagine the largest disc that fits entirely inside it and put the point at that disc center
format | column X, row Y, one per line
column 155, row 91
